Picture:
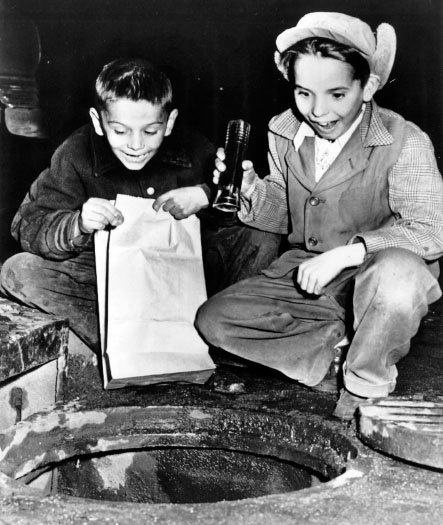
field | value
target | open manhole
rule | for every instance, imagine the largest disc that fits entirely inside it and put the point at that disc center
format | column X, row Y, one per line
column 178, row 475
column 172, row 454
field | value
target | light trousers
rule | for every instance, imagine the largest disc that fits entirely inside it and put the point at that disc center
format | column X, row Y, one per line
column 272, row 322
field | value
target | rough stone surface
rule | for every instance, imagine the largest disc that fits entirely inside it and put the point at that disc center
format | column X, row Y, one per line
column 28, row 338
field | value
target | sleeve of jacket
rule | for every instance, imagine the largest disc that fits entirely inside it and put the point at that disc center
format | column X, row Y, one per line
column 45, row 221
column 416, row 200
column 266, row 208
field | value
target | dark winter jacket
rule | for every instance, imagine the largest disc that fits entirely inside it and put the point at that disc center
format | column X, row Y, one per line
column 84, row 166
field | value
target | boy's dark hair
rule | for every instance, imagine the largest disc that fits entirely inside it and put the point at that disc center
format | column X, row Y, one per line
column 134, row 79
column 328, row 49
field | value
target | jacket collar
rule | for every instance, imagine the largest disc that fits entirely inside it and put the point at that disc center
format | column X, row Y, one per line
column 171, row 152
column 372, row 130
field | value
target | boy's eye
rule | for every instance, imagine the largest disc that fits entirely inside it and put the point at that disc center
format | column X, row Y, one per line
column 301, row 93
column 119, row 131
column 151, row 132
column 338, row 95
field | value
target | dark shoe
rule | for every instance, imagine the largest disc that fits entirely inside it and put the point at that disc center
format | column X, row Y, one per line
column 226, row 382
column 332, row 382
column 347, row 405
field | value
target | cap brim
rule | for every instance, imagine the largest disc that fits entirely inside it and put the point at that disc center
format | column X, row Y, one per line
column 293, row 35
column 380, row 61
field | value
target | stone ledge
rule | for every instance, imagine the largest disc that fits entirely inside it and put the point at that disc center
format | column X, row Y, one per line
column 28, row 338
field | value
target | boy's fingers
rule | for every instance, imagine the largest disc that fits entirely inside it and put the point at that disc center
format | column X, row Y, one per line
column 167, row 201
column 169, row 206
column 98, row 219
column 220, row 166
column 111, row 214
column 158, row 203
column 117, row 218
column 221, row 154
column 105, row 209
column 247, row 165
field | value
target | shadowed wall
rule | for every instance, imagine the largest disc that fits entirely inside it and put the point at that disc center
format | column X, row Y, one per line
column 219, row 55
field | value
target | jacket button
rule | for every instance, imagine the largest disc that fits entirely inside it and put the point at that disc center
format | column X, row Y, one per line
column 314, row 201
column 150, row 191
column 312, row 241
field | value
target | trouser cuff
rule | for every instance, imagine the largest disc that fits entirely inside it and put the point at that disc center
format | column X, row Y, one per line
column 359, row 387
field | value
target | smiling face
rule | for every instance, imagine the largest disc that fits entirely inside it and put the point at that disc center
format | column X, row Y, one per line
column 327, row 94
column 134, row 129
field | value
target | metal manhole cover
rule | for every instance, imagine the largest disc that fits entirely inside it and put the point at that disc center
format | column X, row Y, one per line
column 406, row 428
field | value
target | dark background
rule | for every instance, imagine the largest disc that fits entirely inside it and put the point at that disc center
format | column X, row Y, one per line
column 219, row 55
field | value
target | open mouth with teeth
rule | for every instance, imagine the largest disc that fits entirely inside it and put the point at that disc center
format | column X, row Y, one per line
column 324, row 126
column 135, row 158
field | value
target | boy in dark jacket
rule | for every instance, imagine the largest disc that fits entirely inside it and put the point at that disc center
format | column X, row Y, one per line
column 131, row 149
column 357, row 189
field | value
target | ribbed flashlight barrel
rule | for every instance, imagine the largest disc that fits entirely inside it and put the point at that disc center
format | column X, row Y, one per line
column 236, row 144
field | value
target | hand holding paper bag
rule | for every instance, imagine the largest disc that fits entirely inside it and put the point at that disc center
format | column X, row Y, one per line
column 182, row 202
column 150, row 285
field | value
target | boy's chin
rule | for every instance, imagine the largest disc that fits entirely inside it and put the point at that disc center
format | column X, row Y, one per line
column 134, row 167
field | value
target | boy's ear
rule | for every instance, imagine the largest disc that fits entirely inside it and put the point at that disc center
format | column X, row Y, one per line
column 371, row 87
column 171, row 122
column 95, row 117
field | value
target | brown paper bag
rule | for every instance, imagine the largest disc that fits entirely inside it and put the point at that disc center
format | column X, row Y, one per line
column 150, row 284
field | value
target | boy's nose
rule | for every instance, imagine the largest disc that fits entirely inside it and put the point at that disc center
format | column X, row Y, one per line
column 135, row 142
column 319, row 107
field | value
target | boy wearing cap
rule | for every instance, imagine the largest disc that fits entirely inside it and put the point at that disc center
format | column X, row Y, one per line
column 357, row 190
column 129, row 148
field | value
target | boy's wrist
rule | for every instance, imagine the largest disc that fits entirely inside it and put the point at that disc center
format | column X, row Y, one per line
column 355, row 253
column 77, row 229
column 207, row 190
column 77, row 237
column 207, row 195
column 247, row 192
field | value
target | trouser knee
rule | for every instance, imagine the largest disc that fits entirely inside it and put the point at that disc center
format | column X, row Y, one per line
column 17, row 274
column 399, row 279
column 208, row 323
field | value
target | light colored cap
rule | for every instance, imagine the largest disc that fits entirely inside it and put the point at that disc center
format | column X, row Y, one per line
column 378, row 50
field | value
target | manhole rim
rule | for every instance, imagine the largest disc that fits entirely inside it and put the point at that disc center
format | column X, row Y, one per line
column 197, row 413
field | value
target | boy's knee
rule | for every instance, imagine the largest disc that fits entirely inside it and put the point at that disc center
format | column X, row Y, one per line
column 17, row 273
column 395, row 259
column 205, row 316
column 400, row 277
column 397, row 265
column 208, row 322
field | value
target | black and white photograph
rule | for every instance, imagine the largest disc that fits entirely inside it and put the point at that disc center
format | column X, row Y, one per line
column 221, row 227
